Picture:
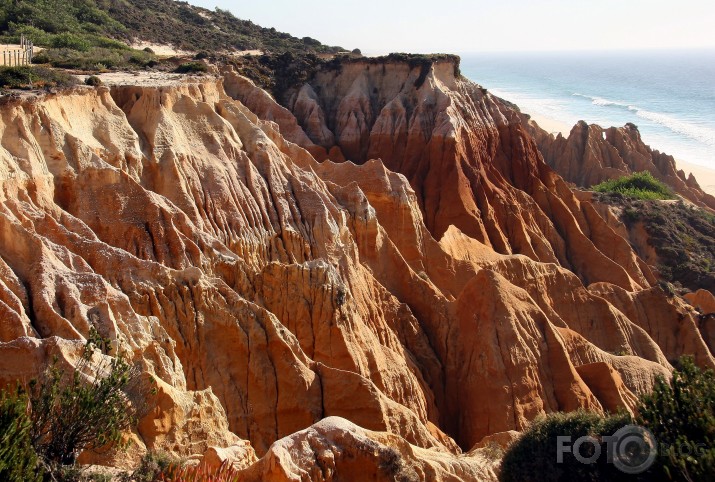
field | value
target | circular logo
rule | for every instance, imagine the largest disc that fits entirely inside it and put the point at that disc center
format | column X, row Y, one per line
column 635, row 449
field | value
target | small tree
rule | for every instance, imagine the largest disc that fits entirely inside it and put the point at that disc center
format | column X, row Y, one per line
column 681, row 415
column 88, row 409
column 18, row 461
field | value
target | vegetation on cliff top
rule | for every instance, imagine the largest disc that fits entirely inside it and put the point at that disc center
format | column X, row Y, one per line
column 28, row 77
column 280, row 73
column 682, row 235
column 107, row 27
column 194, row 28
column 639, row 185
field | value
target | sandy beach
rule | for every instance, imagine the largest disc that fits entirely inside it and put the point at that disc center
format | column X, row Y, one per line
column 552, row 125
column 704, row 175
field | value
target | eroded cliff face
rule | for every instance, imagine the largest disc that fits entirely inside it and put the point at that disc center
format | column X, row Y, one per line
column 592, row 154
column 443, row 287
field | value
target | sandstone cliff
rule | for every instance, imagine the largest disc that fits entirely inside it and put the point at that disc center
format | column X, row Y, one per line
column 443, row 286
column 592, row 154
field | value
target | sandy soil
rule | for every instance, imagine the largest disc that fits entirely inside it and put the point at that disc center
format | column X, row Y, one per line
column 143, row 79
column 160, row 49
column 243, row 53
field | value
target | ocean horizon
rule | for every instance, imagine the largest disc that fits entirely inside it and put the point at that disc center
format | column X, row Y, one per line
column 669, row 95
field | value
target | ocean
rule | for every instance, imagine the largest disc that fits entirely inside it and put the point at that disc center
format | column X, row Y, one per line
column 669, row 95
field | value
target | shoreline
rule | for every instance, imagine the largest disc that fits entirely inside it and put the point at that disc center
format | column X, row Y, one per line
column 552, row 126
column 704, row 175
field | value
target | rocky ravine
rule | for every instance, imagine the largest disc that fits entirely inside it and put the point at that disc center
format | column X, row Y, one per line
column 444, row 287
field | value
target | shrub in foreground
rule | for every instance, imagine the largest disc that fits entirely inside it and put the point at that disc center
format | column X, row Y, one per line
column 534, row 456
column 681, row 415
column 87, row 409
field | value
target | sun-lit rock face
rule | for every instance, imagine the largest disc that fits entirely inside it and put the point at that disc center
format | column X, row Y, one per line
column 452, row 290
column 592, row 154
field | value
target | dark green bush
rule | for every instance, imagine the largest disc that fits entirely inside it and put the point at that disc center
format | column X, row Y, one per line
column 641, row 185
column 93, row 81
column 533, row 457
column 18, row 461
column 681, row 415
column 191, row 68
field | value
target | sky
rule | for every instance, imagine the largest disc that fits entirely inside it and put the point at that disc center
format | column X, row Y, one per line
column 425, row 26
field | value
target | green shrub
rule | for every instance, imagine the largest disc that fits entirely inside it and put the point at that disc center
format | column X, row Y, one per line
column 18, row 461
column 191, row 68
column 87, row 409
column 533, row 457
column 641, row 185
column 72, row 41
column 681, row 415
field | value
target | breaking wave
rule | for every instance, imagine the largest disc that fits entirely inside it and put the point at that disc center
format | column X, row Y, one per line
column 693, row 131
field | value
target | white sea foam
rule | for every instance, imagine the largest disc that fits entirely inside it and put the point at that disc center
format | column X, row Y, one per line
column 669, row 96
column 601, row 101
column 693, row 131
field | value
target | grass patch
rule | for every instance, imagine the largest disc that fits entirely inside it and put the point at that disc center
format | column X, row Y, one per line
column 640, row 185
column 27, row 77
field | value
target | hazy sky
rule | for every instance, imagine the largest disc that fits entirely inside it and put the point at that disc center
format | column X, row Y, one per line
column 486, row 25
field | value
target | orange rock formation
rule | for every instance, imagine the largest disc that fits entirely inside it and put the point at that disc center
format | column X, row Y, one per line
column 592, row 154
column 391, row 312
